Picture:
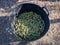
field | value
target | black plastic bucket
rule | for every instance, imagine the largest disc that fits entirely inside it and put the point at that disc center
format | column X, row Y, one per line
column 26, row 7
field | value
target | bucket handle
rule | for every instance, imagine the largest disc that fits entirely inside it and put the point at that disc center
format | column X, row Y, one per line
column 46, row 10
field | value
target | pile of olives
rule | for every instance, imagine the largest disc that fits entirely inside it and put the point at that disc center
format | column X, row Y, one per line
column 29, row 25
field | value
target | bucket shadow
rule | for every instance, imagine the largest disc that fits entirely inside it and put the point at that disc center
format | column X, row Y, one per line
column 6, row 35
column 55, row 21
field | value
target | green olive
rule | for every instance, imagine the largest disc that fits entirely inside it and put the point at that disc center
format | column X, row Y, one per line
column 29, row 25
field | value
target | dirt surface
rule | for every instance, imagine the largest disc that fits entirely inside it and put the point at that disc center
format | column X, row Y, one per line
column 52, row 37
